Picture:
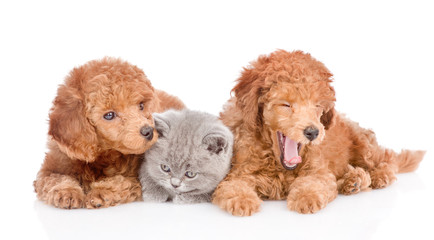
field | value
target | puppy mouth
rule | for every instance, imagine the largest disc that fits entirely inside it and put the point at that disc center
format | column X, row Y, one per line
column 289, row 151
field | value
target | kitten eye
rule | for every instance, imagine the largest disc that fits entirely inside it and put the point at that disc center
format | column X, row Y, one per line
column 190, row 174
column 141, row 106
column 109, row 116
column 165, row 168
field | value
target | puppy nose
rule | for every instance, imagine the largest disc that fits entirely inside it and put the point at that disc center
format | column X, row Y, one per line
column 311, row 133
column 147, row 132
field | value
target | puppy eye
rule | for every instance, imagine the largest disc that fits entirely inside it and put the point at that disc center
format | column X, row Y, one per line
column 109, row 116
column 141, row 106
column 288, row 105
column 165, row 168
column 190, row 174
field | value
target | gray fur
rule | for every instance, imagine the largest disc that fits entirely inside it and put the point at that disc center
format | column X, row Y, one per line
column 188, row 141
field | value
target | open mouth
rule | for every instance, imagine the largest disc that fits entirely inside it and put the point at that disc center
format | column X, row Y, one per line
column 289, row 151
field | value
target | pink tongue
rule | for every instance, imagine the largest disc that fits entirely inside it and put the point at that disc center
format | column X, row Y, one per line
column 291, row 154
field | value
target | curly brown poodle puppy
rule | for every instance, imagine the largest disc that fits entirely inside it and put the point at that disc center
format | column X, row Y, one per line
column 291, row 144
column 100, row 119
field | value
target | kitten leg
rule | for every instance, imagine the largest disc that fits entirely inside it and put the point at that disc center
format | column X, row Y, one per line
column 192, row 198
column 152, row 192
column 112, row 191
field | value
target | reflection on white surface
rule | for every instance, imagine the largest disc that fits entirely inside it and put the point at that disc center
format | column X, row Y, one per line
column 380, row 52
column 364, row 216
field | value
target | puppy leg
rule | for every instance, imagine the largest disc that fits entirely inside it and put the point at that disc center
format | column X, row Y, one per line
column 238, row 197
column 354, row 181
column 309, row 194
column 381, row 163
column 382, row 176
column 61, row 191
column 112, row 191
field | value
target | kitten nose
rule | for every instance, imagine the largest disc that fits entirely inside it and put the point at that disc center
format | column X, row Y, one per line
column 175, row 182
column 147, row 132
column 311, row 132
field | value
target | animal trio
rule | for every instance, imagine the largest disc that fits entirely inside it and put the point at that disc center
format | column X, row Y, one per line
column 115, row 139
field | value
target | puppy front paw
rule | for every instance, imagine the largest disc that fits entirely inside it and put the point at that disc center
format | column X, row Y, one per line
column 67, row 198
column 382, row 177
column 241, row 205
column 306, row 202
column 100, row 198
column 354, row 181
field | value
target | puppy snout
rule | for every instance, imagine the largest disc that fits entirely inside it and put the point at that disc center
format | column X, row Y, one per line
column 311, row 133
column 147, row 132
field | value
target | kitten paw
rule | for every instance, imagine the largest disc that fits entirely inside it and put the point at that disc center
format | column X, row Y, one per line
column 148, row 197
column 181, row 199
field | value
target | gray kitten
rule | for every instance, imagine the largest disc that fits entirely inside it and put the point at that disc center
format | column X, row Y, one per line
column 192, row 155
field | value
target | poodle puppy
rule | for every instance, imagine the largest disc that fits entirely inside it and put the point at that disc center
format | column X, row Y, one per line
column 100, row 120
column 291, row 144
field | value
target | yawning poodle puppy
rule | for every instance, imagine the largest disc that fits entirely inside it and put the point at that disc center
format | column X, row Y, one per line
column 100, row 119
column 291, row 144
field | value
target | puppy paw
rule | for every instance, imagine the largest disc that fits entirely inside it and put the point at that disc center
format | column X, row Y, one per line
column 350, row 186
column 69, row 198
column 100, row 198
column 242, row 206
column 306, row 202
column 237, row 197
column 382, row 178
column 354, row 181
column 382, row 181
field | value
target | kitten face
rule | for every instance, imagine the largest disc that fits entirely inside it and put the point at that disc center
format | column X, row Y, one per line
column 192, row 154
column 180, row 177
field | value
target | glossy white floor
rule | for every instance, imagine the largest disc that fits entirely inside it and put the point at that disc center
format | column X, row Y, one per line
column 402, row 211
column 381, row 54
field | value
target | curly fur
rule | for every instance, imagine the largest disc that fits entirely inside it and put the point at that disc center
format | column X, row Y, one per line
column 92, row 162
column 288, row 92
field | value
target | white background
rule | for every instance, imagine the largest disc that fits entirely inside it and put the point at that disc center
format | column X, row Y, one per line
column 381, row 53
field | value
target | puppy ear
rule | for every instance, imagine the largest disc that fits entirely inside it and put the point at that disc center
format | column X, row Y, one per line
column 215, row 143
column 327, row 118
column 161, row 125
column 248, row 91
column 70, row 128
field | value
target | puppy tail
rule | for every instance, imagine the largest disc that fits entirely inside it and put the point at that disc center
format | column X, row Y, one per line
column 408, row 161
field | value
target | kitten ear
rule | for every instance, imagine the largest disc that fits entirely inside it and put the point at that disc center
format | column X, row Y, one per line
column 161, row 125
column 215, row 142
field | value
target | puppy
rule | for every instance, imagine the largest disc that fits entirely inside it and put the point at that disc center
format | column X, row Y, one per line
column 100, row 120
column 291, row 144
